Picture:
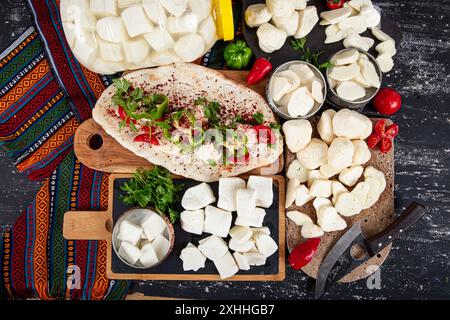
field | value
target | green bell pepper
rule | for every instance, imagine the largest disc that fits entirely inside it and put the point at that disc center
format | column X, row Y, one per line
column 237, row 55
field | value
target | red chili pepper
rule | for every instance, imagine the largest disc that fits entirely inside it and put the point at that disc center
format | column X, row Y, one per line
column 124, row 116
column 265, row 134
column 147, row 138
column 303, row 253
column 259, row 70
column 382, row 136
column 335, row 4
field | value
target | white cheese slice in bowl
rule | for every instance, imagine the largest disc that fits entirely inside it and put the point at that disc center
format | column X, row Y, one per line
column 279, row 87
column 136, row 21
column 129, row 232
column 136, row 50
column 161, row 246
column 300, row 103
column 369, row 73
column 303, row 72
column 155, row 11
column 198, row 197
column 149, row 256
column 346, row 57
column 344, row 73
column 159, row 39
column 217, row 221
column 129, row 252
column 190, row 47
column 103, row 8
column 264, row 190
column 321, row 188
column 350, row 90
column 153, row 226
column 175, row 7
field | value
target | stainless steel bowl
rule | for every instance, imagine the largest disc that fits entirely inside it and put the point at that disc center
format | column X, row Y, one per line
column 277, row 109
column 136, row 216
column 335, row 100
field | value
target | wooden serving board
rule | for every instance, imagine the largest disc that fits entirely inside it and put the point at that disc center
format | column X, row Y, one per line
column 97, row 150
column 85, row 225
column 373, row 220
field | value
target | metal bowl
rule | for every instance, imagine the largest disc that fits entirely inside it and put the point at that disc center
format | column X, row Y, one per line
column 277, row 108
column 136, row 216
column 335, row 100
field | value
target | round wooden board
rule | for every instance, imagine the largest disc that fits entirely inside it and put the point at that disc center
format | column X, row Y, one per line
column 373, row 220
column 315, row 39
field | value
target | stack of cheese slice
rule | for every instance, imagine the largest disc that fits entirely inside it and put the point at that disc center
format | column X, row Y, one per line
column 144, row 241
column 325, row 169
column 250, row 241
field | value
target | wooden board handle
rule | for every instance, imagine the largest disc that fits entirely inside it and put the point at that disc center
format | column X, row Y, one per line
column 87, row 225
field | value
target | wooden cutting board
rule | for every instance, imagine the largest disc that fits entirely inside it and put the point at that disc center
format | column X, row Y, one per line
column 90, row 225
column 373, row 220
column 97, row 150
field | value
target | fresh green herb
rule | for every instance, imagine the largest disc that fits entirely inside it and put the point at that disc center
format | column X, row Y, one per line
column 308, row 55
column 212, row 163
column 239, row 119
column 153, row 188
column 275, row 125
column 258, row 117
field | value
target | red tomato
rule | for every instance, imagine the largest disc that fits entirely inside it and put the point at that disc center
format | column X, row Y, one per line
column 391, row 131
column 385, row 145
column 335, row 4
column 373, row 140
column 387, row 101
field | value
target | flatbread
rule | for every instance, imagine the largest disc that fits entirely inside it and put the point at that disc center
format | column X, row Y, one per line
column 183, row 84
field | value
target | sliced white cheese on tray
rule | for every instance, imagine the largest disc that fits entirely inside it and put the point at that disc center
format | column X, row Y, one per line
column 253, row 220
column 153, row 226
column 129, row 252
column 217, row 221
column 348, row 205
column 264, row 190
column 329, row 220
column 255, row 259
column 213, row 247
column 325, row 126
column 350, row 176
column 297, row 133
column 302, row 195
column 192, row 221
column 321, row 202
column 241, row 233
column 270, row 38
column 265, row 244
column 228, row 188
column 129, row 232
column 226, row 265
column 241, row 261
column 340, row 152
column 240, row 246
column 313, row 155
column 321, row 188
column 281, row 8
column 296, row 171
column 245, row 202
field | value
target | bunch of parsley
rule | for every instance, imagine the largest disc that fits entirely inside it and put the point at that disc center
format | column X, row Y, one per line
column 153, row 188
column 308, row 55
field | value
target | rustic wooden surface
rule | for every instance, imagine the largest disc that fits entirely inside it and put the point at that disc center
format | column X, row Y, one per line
column 418, row 265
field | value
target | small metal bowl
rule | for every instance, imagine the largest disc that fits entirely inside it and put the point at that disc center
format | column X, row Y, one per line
column 334, row 99
column 136, row 216
column 277, row 108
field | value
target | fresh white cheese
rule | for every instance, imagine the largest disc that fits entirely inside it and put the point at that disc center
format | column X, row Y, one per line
column 136, row 50
column 192, row 221
column 351, row 125
column 185, row 24
column 387, row 47
column 292, row 77
column 198, row 197
column 346, row 57
column 328, row 171
column 241, row 233
column 362, row 153
column 308, row 18
column 175, row 7
column 190, row 47
column 255, row 259
column 193, row 259
column 297, row 134
column 257, row 14
column 361, row 192
column 303, row 72
column 300, row 103
column 86, row 47
column 281, row 8
column 299, row 218
column 380, row 35
column 226, row 265
column 159, row 39
column 296, row 171
column 337, row 188
column 111, row 51
column 335, row 16
column 228, row 188
column 126, row 3
column 241, row 261
column 161, row 246
column 325, row 126
column 344, row 73
column 245, row 202
column 149, row 256
column 359, row 4
column 217, row 221
column 310, row 230
column 385, row 62
column 136, row 21
column 103, row 8
column 240, row 246
column 302, row 195
column 202, row 9
column 112, row 29
column 314, row 175
column 313, row 155
column 369, row 73
column 348, row 205
column 129, row 232
column 356, row 41
column 317, row 91
column 155, row 12
column 153, row 226
column 265, row 244
column 279, row 87
column 329, row 220
column 129, row 252
column 333, row 33
column 350, row 90
column 350, row 176
column 291, row 191
column 71, row 9
column 287, row 24
column 253, row 220
column 321, row 202
column 373, row 17
column 213, row 247
column 207, row 29
column 353, row 25
column 340, row 153
column 264, row 191
column 321, row 189
column 270, row 38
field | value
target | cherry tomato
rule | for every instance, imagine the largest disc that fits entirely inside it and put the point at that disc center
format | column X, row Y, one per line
column 387, row 101
column 373, row 140
column 385, row 145
column 391, row 131
column 335, row 4
column 380, row 127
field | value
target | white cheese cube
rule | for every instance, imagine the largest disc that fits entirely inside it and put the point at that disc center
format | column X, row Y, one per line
column 86, row 47
column 155, row 11
column 213, row 247
column 321, row 189
column 255, row 259
column 228, row 188
column 136, row 50
column 201, row 9
column 265, row 244
column 307, row 20
column 241, row 233
column 71, row 9
column 159, row 39
column 112, row 29
column 321, row 202
column 192, row 258
column 270, row 38
column 103, row 8
column 111, row 51
column 302, row 195
column 241, row 261
column 240, row 246
column 153, row 226
column 190, row 47
column 329, row 220
column 226, row 265
column 310, row 230
column 149, row 256
column 198, row 197
column 161, row 246
column 254, row 220
column 70, row 31
column 207, row 29
column 299, row 218
column 186, row 24
column 245, row 202
column 192, row 221
column 264, row 191
column 175, row 7
column 217, row 221
column 136, row 21
column 126, row 3
column 129, row 232
column 265, row 230
column 335, row 16
column 129, row 253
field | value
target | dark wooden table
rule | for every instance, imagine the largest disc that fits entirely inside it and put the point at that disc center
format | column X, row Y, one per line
column 419, row 264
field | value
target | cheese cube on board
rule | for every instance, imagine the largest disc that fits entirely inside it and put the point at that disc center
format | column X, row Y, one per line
column 217, row 221
column 192, row 221
column 226, row 265
column 192, row 258
column 265, row 244
column 228, row 188
column 241, row 233
column 153, row 226
column 240, row 246
column 255, row 259
column 198, row 197
column 241, row 261
column 136, row 21
column 254, row 220
column 129, row 232
column 264, row 192
column 245, row 202
column 161, row 246
column 149, row 256
column 265, row 230
column 129, row 252
column 213, row 247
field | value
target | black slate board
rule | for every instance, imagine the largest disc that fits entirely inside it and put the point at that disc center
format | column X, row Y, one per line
column 173, row 264
column 315, row 39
